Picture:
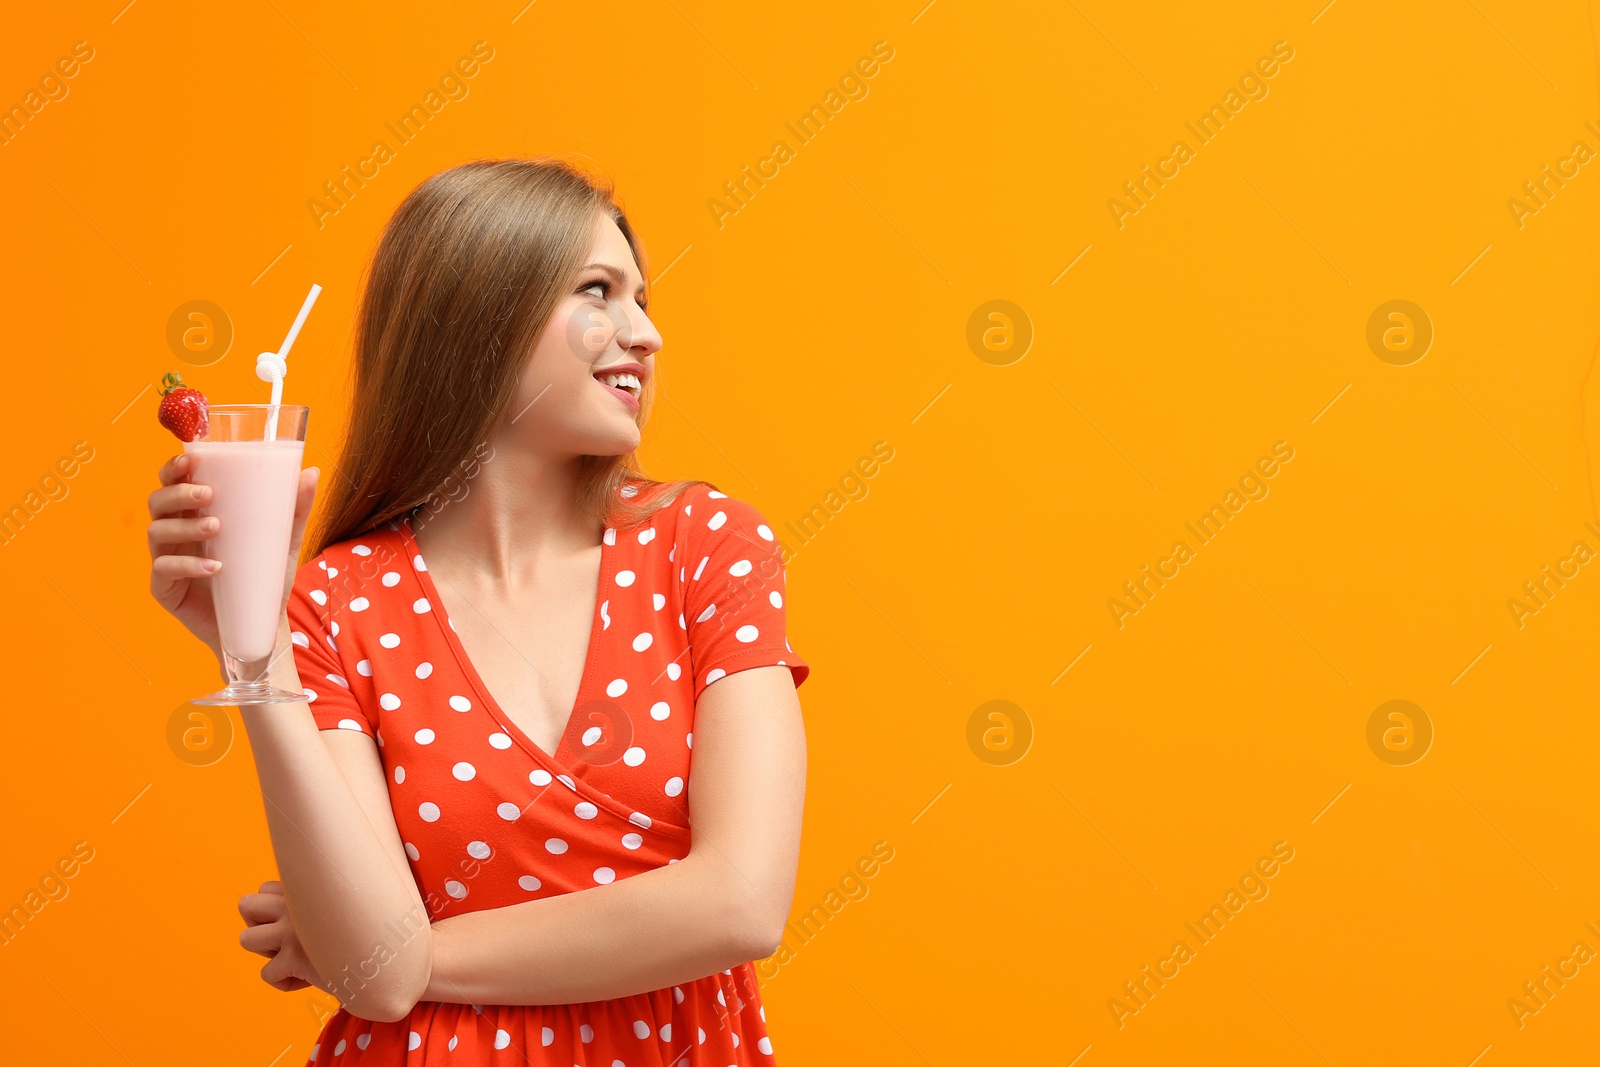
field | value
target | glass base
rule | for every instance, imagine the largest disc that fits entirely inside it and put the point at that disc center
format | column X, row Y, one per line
column 249, row 693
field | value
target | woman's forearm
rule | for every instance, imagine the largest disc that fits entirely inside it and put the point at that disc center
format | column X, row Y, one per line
column 672, row 924
column 358, row 914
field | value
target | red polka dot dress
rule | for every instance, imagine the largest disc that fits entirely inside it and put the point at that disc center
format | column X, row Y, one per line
column 490, row 820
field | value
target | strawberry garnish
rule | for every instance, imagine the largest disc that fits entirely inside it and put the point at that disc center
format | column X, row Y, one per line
column 183, row 409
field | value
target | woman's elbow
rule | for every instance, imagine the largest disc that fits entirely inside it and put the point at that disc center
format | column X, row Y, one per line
column 385, row 987
column 760, row 923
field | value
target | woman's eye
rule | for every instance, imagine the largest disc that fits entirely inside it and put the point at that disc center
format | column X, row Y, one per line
column 602, row 286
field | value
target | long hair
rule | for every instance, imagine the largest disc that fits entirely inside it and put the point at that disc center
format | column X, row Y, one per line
column 466, row 275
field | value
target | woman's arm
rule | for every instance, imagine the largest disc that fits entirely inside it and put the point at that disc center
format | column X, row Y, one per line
column 722, row 905
column 351, row 896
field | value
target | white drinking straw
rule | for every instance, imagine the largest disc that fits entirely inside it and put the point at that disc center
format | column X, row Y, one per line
column 272, row 366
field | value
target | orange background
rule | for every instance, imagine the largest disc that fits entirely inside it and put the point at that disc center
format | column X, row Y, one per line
column 829, row 313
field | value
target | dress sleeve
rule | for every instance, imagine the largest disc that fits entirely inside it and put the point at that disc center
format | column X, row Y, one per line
column 314, row 632
column 734, row 591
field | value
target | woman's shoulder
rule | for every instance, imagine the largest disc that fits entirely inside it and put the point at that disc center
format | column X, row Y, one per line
column 356, row 559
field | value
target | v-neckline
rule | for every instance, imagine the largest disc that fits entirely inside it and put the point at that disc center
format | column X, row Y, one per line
column 491, row 705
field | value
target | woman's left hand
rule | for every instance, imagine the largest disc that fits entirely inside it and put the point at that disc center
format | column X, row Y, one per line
column 270, row 932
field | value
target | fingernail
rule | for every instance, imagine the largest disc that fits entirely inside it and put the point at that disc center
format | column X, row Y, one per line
column 209, row 525
column 212, row 565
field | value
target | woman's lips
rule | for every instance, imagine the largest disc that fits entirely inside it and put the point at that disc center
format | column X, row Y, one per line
column 622, row 394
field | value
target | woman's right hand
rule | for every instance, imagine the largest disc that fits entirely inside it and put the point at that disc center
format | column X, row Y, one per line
column 180, row 576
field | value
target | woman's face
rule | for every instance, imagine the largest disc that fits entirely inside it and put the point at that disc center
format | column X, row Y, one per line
column 599, row 328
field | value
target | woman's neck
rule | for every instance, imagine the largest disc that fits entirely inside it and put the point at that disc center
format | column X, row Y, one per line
column 516, row 518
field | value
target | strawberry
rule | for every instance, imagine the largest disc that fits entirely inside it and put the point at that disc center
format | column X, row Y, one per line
column 183, row 409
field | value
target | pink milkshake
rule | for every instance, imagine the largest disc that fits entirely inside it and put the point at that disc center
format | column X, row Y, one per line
column 253, row 485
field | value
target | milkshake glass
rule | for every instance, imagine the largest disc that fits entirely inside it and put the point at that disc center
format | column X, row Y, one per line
column 254, row 482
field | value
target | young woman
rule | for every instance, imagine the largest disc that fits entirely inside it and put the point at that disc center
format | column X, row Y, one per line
column 543, row 801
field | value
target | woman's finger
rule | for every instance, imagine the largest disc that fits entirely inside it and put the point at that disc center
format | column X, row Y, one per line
column 304, row 498
column 262, row 908
column 265, row 939
column 177, row 498
column 168, row 571
column 175, row 469
column 271, row 887
column 183, row 531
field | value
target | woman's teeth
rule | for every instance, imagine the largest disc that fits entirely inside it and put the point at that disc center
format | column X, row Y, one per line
column 621, row 381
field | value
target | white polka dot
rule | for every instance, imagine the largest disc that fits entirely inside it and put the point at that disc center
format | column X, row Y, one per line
column 391, row 579
column 416, row 561
column 424, row 736
column 399, row 774
column 747, row 633
column 641, row 1029
column 711, row 609
column 338, row 679
column 764, row 531
column 660, row 710
column 646, row 536
column 592, row 735
column 634, row 756
column 421, row 606
column 360, row 603
column 617, row 687
column 566, row 781
column 631, row 841
column 715, row 495
column 640, row 819
column 350, row 724
column 411, row 850
column 335, row 626
column 479, row 850
column 555, row 846
column 388, row 702
column 333, row 572
column 311, row 694
column 461, row 703
column 674, row 786
column 688, row 738
column 298, row 638
column 389, row 640
column 424, row 669
column 717, row 520
column 702, row 1035
column 363, row 1040
column 362, row 550
column 319, row 596
column 586, row 1033
column 539, row 777
column 714, row 675
column 429, row 811
column 414, row 1041
column 605, row 876
column 529, row 882
column 610, row 536
column 500, row 741
column 625, row 578
column 464, row 772
column 665, row 1033
column 765, row 1045
column 508, row 811
column 455, row 889
column 452, row 1045
column 364, row 668
column 547, row 1036
column 775, row 598
column 501, row 1039
column 658, row 601
column 338, row 1050
column 642, row 642
column 673, row 670
column 585, row 810
column 740, row 569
